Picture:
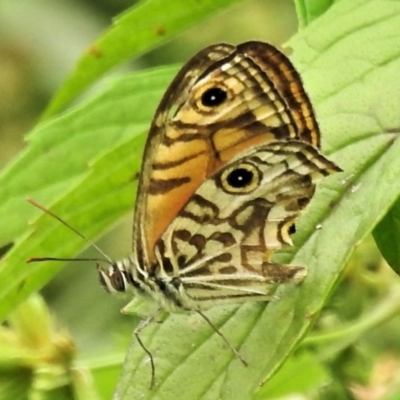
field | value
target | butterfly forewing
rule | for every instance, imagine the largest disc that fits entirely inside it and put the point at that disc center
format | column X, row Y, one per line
column 225, row 100
column 218, row 246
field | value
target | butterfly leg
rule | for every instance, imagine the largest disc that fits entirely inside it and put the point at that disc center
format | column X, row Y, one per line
column 143, row 324
column 217, row 331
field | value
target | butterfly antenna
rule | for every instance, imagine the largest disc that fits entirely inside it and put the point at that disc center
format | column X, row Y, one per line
column 45, row 210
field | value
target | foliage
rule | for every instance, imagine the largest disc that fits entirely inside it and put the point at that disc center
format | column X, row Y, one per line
column 82, row 164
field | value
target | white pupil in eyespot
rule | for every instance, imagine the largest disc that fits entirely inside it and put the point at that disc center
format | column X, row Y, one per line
column 240, row 177
column 213, row 97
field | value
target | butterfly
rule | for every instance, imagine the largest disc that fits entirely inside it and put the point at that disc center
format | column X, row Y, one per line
column 231, row 160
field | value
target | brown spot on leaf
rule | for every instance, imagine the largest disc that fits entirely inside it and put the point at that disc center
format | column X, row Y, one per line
column 161, row 30
column 94, row 51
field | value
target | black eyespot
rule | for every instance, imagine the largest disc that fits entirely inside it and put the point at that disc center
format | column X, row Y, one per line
column 213, row 97
column 240, row 178
column 292, row 229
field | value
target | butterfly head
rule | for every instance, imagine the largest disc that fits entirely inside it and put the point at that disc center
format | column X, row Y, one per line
column 116, row 278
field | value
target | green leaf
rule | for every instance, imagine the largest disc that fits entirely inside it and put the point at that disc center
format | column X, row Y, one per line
column 308, row 10
column 139, row 29
column 15, row 384
column 84, row 161
column 105, row 374
column 386, row 235
column 300, row 374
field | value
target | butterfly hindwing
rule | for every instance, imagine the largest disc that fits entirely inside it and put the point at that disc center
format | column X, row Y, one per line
column 219, row 245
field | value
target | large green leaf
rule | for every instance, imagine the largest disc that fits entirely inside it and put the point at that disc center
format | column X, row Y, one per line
column 85, row 161
column 308, row 10
column 387, row 237
column 349, row 59
column 301, row 374
column 137, row 30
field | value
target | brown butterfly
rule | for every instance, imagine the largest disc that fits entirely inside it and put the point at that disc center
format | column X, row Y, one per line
column 231, row 160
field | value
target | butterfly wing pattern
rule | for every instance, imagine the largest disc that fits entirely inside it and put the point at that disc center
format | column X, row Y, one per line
column 225, row 100
column 218, row 247
column 195, row 240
